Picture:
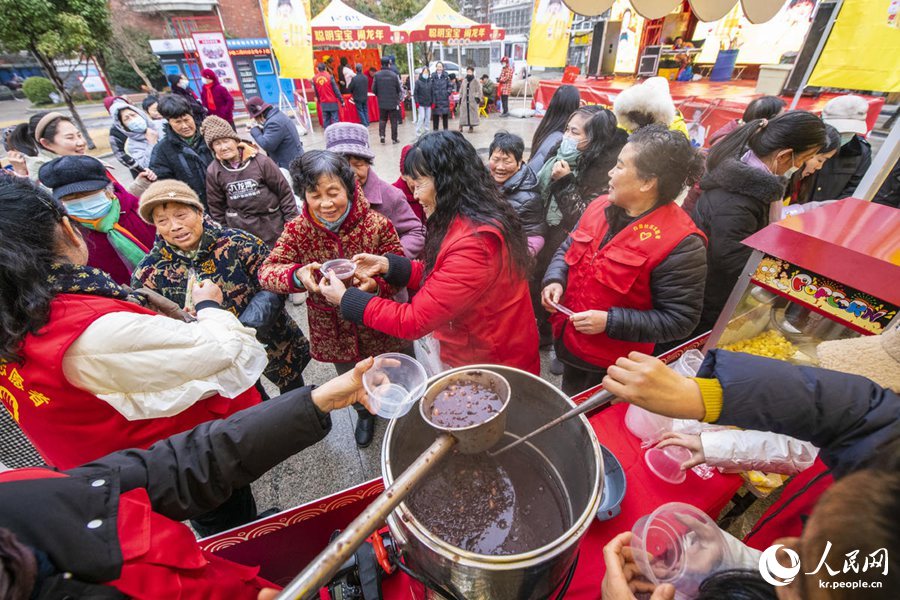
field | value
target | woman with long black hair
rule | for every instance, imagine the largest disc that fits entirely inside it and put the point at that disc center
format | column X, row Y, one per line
column 746, row 174
column 566, row 100
column 471, row 287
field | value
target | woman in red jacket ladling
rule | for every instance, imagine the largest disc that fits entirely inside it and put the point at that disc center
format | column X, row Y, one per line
column 472, row 287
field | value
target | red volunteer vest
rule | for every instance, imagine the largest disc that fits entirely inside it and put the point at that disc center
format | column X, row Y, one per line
column 70, row 426
column 324, row 89
column 617, row 274
column 161, row 558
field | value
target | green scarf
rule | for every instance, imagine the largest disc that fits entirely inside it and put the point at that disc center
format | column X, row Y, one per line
column 554, row 215
column 128, row 247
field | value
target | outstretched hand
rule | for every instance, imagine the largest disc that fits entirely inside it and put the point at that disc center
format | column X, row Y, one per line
column 344, row 390
column 623, row 579
column 647, row 382
column 333, row 289
column 370, row 265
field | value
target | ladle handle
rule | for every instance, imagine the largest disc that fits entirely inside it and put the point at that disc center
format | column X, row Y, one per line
column 599, row 399
column 320, row 571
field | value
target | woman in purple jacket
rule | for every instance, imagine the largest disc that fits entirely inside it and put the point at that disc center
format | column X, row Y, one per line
column 351, row 140
column 215, row 97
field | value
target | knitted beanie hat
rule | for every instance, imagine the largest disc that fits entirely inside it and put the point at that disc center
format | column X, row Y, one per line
column 165, row 191
column 216, row 128
column 876, row 357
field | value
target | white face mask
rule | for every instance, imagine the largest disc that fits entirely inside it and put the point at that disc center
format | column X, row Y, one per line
column 793, row 169
column 183, row 84
column 138, row 126
column 206, row 81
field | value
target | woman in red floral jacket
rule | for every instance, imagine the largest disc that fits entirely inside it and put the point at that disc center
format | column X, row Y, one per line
column 336, row 222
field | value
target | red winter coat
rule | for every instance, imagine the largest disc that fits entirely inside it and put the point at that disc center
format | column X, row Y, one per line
column 305, row 240
column 616, row 275
column 475, row 303
column 70, row 426
column 216, row 98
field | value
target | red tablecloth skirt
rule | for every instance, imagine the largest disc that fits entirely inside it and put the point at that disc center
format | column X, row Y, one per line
column 348, row 114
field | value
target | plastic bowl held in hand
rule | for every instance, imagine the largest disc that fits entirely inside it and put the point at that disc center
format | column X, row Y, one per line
column 394, row 384
column 646, row 425
column 342, row 268
column 666, row 462
column 678, row 544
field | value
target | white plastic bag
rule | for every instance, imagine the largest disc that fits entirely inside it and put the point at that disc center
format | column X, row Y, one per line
column 428, row 353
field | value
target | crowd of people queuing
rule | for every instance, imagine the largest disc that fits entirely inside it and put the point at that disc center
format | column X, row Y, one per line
column 137, row 322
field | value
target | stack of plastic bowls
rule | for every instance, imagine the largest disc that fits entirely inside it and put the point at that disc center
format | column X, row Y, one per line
column 394, row 384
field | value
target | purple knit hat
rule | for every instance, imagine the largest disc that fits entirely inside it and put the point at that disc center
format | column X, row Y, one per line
column 348, row 139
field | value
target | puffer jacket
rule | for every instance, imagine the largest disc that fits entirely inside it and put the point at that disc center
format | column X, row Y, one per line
column 278, row 137
column 254, row 196
column 130, row 148
column 841, row 173
column 174, row 158
column 849, row 418
column 734, row 205
column 305, row 240
column 231, row 259
column 387, row 89
column 423, row 94
column 523, row 193
column 440, row 89
column 676, row 286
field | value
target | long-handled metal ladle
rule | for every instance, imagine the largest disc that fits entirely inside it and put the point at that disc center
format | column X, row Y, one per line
column 470, row 440
column 596, row 401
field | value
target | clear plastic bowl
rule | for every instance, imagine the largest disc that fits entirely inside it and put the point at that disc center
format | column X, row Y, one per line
column 342, row 268
column 678, row 544
column 666, row 462
column 646, row 425
column 394, row 384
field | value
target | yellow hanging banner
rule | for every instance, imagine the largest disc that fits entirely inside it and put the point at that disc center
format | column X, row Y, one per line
column 548, row 43
column 290, row 35
column 863, row 50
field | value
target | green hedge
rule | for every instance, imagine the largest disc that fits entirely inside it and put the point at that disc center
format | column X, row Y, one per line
column 38, row 89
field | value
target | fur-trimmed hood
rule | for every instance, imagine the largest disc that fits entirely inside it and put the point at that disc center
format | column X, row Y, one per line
column 737, row 177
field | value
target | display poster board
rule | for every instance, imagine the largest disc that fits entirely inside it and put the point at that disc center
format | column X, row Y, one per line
column 210, row 47
column 548, row 42
column 629, row 36
column 764, row 43
column 290, row 33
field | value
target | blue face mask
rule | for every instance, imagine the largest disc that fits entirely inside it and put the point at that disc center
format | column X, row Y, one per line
column 90, row 207
column 568, row 145
column 846, row 137
column 139, row 126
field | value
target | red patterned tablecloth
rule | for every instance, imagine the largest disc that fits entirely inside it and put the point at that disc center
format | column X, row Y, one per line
column 284, row 543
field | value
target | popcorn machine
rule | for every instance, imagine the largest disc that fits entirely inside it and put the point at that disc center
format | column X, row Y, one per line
column 827, row 274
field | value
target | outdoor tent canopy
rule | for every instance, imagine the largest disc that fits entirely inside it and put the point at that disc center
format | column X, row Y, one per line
column 339, row 23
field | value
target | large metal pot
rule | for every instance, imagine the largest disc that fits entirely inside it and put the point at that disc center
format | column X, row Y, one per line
column 571, row 451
